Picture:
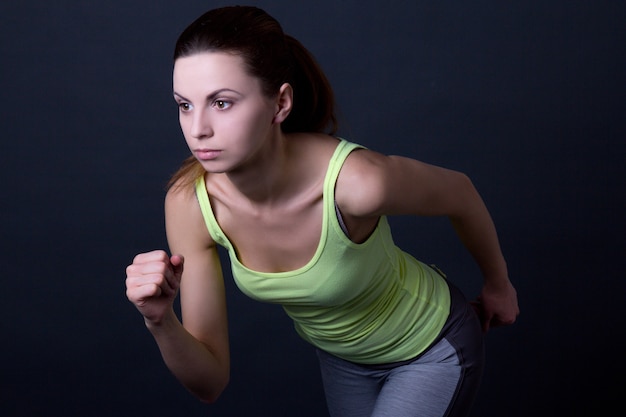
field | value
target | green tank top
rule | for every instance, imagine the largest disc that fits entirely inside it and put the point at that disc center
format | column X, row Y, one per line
column 368, row 303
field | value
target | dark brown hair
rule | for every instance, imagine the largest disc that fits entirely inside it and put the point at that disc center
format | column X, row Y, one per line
column 269, row 54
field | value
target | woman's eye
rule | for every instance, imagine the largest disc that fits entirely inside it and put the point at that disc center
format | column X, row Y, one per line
column 184, row 107
column 222, row 104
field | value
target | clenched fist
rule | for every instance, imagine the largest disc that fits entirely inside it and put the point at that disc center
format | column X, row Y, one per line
column 152, row 283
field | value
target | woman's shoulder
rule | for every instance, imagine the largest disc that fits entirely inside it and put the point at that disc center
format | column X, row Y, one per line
column 184, row 216
column 180, row 194
column 360, row 184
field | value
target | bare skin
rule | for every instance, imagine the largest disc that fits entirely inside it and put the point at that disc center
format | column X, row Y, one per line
column 263, row 185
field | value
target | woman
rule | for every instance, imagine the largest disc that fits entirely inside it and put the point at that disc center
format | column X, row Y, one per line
column 303, row 216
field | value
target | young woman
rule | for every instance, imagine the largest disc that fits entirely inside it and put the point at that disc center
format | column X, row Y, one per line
column 303, row 216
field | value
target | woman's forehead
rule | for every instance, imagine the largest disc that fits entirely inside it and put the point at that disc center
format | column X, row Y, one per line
column 211, row 70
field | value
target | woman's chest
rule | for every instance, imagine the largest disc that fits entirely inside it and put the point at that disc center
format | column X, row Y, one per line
column 276, row 239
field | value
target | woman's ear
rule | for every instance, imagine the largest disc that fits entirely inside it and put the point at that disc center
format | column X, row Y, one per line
column 284, row 103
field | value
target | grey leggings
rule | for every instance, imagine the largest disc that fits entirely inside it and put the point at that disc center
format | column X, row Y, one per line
column 442, row 381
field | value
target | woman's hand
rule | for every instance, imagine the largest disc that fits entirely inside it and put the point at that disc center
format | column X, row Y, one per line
column 152, row 283
column 496, row 305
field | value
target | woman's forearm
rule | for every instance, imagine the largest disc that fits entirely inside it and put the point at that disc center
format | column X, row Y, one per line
column 190, row 360
column 476, row 230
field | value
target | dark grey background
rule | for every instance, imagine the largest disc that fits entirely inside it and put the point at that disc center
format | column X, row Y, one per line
column 525, row 97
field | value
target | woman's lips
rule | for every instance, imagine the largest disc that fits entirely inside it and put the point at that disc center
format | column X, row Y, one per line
column 206, row 154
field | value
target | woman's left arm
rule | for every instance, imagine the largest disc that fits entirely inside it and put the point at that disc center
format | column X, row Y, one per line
column 395, row 185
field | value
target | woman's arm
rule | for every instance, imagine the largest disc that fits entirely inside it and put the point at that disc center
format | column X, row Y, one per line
column 196, row 350
column 394, row 185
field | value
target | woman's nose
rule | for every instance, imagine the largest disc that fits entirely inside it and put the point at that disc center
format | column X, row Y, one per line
column 200, row 125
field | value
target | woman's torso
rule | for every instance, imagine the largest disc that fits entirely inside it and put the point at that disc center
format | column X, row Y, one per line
column 367, row 302
column 283, row 235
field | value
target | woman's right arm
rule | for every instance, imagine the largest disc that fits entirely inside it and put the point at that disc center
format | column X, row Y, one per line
column 195, row 350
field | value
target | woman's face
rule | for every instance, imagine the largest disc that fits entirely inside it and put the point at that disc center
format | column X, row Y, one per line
column 224, row 115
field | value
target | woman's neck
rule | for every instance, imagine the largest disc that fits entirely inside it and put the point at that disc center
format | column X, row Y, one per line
column 265, row 178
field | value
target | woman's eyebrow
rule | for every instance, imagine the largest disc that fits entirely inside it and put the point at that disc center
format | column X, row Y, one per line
column 212, row 95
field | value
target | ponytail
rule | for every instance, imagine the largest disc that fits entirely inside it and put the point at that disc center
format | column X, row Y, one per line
column 314, row 100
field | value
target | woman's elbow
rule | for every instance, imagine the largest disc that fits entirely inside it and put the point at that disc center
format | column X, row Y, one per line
column 212, row 394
